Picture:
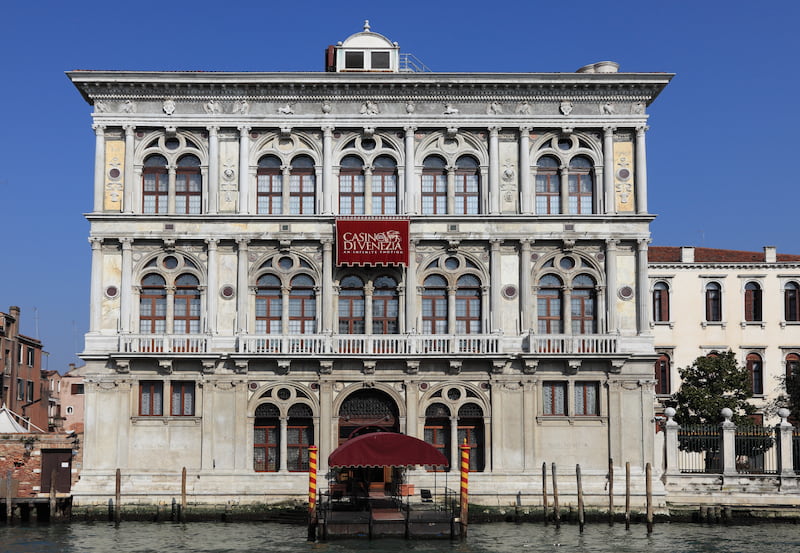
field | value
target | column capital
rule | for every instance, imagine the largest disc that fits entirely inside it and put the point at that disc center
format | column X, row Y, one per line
column 410, row 130
column 242, row 243
column 212, row 243
column 609, row 131
column 526, row 243
column 525, row 129
column 126, row 242
column 99, row 129
column 327, row 243
column 612, row 243
column 129, row 129
column 96, row 242
column 494, row 129
column 642, row 243
column 212, row 130
column 327, row 130
column 495, row 243
column 641, row 130
column 244, row 129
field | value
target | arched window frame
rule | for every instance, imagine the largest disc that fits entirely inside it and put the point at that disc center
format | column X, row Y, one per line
column 297, row 305
column 755, row 366
column 583, row 305
column 352, row 183
column 792, row 364
column 269, row 304
column 713, row 302
column 550, row 304
column 352, row 305
column 437, row 315
column 434, row 186
column 567, row 187
column 181, row 303
column 467, row 186
column 384, row 186
column 188, row 185
column 661, row 301
column 753, row 307
column 155, row 184
column 269, row 185
column 548, row 186
column 302, row 185
column 580, row 185
column 791, row 302
column 663, row 375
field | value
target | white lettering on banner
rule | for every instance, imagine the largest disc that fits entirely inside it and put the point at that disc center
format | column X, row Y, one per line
column 372, row 242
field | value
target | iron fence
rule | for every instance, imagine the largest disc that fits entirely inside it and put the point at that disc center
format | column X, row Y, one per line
column 756, row 451
column 796, row 450
column 700, row 449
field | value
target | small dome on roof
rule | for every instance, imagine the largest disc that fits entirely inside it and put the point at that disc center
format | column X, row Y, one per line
column 367, row 39
column 364, row 52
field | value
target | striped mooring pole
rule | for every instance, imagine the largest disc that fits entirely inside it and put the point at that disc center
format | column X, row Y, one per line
column 464, row 487
column 312, row 493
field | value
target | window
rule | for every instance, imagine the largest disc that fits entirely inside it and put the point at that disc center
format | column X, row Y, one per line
column 188, row 186
column 153, row 305
column 792, row 302
column 351, row 306
column 302, row 306
column 467, row 187
column 554, row 398
column 380, row 60
column 548, row 300
column 384, row 186
column 385, row 306
column 299, row 435
column 76, row 389
column 155, row 185
column 269, row 305
column 20, row 389
column 470, row 431
column 792, row 365
column 70, row 410
column 302, row 186
column 756, row 369
column 584, row 301
column 434, row 186
column 587, row 398
column 468, row 305
column 752, row 302
column 713, row 302
column 661, row 302
column 187, row 305
column 437, row 429
column 548, row 195
column 182, row 402
column 30, row 353
column 662, row 374
column 29, row 391
column 266, row 432
column 269, row 189
column 434, row 305
column 351, row 186
column 151, row 398
column 354, row 60
column 580, row 185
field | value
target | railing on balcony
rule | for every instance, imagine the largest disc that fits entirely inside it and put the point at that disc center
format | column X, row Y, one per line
column 573, row 343
column 164, row 343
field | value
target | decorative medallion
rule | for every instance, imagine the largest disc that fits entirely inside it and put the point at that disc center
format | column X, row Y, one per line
column 227, row 291
column 625, row 293
column 509, row 291
column 168, row 106
column 112, row 292
column 565, row 107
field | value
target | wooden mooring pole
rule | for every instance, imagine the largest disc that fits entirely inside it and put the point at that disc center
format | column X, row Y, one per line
column 649, row 492
column 182, row 513
column 117, row 496
column 581, row 519
column 611, row 492
column 544, row 492
column 627, row 495
column 9, row 498
column 556, row 508
column 53, row 514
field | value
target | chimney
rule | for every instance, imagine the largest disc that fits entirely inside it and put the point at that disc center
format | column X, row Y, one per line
column 770, row 254
column 687, row 254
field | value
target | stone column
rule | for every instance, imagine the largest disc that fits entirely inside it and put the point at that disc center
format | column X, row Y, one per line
column 495, row 283
column 642, row 312
column 171, row 189
column 369, row 291
column 525, row 191
column 785, row 456
column 283, row 450
column 528, row 425
column 241, row 285
column 564, row 188
column 611, row 284
column 211, row 288
column 170, row 323
column 671, row 442
column 641, row 171
column 213, row 170
column 100, row 166
column 728, row 449
column 325, row 425
column 566, row 308
column 451, row 189
column 95, row 291
column 327, row 170
column 126, row 285
column 127, row 194
column 367, row 190
column 286, row 178
column 451, row 309
column 411, row 288
column 327, row 285
column 608, row 170
column 525, row 297
column 410, row 181
column 455, row 452
column 494, row 170
column 412, row 416
column 244, row 169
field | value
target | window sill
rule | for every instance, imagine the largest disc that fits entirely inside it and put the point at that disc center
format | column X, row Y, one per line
column 670, row 324
column 561, row 420
column 722, row 324
column 164, row 420
column 762, row 324
column 784, row 324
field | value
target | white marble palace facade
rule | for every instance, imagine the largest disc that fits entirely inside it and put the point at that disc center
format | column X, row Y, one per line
column 230, row 329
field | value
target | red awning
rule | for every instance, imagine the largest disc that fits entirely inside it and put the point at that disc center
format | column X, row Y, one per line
column 385, row 449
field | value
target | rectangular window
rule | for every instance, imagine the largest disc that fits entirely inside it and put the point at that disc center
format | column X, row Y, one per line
column 76, row 389
column 587, row 398
column 380, row 60
column 31, row 354
column 29, row 390
column 20, row 389
column 265, row 449
column 151, row 398
column 298, row 438
column 182, row 402
column 354, row 60
column 554, row 398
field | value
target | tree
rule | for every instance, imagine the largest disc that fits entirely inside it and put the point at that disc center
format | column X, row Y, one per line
column 789, row 398
column 710, row 384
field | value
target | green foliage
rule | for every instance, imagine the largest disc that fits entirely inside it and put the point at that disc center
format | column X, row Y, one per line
column 789, row 398
column 709, row 385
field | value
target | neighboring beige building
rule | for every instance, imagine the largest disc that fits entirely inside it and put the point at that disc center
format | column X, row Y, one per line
column 706, row 300
column 281, row 259
column 72, row 395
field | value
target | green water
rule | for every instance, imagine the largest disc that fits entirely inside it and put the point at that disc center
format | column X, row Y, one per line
column 141, row 537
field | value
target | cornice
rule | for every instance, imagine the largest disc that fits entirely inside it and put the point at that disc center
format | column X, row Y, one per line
column 725, row 266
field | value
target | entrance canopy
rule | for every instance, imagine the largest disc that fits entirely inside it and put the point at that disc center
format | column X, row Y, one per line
column 385, row 449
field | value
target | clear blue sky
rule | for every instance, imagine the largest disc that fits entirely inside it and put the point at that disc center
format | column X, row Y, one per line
column 721, row 147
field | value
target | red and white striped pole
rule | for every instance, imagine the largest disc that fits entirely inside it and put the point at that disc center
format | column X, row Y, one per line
column 312, row 481
column 464, row 487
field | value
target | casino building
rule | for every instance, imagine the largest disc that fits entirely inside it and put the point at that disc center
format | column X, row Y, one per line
column 286, row 259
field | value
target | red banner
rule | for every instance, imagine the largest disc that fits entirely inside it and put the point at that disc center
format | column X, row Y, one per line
column 367, row 241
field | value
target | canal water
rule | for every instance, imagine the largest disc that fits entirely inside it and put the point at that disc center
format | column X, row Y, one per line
column 139, row 537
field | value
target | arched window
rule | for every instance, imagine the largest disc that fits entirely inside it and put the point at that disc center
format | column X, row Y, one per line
column 187, row 305
column 365, row 411
column 299, row 435
column 351, row 186
column 468, row 305
column 467, row 186
column 155, row 185
column 584, row 305
column 384, row 186
column 434, row 186
column 548, row 300
column 580, row 186
column 713, row 302
column 269, row 305
column 302, row 186
column 470, row 431
column 792, row 365
column 437, row 429
column 188, row 186
column 752, row 302
column 385, row 306
column 266, row 438
column 661, row 302
column 434, row 305
column 153, row 305
column 792, row 302
column 269, row 190
column 548, row 195
column 662, row 374
column 351, row 305
column 302, row 306
column 756, row 369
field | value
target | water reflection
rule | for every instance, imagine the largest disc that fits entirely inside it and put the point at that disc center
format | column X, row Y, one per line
column 142, row 537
